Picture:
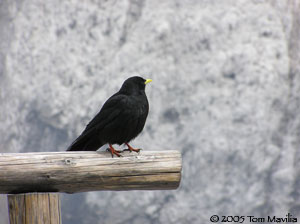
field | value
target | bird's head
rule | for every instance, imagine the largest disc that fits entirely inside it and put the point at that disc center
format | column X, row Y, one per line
column 134, row 85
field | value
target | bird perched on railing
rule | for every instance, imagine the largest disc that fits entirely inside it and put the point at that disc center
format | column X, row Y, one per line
column 121, row 119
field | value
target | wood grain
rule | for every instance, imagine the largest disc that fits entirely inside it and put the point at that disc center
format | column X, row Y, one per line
column 88, row 171
column 34, row 208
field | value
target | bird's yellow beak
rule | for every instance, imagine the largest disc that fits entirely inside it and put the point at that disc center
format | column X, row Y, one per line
column 148, row 80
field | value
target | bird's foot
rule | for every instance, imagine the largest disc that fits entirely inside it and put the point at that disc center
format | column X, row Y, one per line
column 113, row 151
column 131, row 149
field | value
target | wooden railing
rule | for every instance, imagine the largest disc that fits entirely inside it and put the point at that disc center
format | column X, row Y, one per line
column 25, row 175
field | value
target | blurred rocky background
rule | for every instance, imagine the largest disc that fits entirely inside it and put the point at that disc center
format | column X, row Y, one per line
column 225, row 92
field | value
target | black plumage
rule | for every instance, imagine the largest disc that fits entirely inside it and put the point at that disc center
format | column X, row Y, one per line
column 120, row 120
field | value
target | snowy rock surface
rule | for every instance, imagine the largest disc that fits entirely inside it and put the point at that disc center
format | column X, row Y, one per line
column 225, row 92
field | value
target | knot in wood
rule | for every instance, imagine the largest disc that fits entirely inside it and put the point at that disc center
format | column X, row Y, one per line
column 69, row 161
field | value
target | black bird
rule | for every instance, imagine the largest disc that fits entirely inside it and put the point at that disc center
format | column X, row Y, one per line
column 120, row 120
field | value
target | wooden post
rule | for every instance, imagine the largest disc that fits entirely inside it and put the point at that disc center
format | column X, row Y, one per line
column 72, row 172
column 34, row 208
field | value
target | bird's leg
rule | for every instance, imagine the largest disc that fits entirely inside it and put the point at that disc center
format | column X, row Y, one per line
column 132, row 149
column 113, row 151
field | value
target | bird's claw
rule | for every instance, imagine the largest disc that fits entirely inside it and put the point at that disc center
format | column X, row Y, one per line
column 130, row 150
column 115, row 152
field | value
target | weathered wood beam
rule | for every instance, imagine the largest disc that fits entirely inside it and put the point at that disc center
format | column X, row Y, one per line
column 39, row 208
column 72, row 172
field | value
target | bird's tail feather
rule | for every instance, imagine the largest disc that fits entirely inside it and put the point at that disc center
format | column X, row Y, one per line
column 87, row 141
column 77, row 146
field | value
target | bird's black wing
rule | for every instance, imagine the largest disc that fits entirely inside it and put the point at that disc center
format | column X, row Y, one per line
column 89, row 138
